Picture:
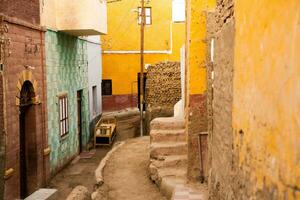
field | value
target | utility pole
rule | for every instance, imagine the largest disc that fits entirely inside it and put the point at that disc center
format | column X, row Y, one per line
column 142, row 67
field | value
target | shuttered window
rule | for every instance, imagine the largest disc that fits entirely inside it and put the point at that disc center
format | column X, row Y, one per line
column 63, row 115
column 107, row 87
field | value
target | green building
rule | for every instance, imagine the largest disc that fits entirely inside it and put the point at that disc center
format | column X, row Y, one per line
column 67, row 97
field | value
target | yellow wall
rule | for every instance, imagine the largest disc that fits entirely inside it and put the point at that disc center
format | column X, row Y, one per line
column 124, row 35
column 266, row 92
column 197, row 47
column 85, row 17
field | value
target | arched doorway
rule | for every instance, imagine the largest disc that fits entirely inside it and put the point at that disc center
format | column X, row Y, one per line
column 28, row 151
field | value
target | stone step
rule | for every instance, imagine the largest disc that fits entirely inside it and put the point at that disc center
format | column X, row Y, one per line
column 195, row 189
column 168, row 185
column 156, row 174
column 170, row 161
column 167, row 123
column 177, row 135
column 158, row 150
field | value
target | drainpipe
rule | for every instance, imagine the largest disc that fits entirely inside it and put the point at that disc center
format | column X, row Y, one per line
column 44, row 104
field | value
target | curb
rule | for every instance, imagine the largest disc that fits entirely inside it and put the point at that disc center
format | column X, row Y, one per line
column 100, row 168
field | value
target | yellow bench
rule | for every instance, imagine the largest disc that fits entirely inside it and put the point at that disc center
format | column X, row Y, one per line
column 105, row 131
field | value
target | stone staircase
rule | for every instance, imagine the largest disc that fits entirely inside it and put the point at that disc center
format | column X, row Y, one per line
column 168, row 154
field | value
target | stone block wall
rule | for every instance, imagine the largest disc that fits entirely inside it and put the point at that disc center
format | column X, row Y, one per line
column 67, row 72
column 163, row 90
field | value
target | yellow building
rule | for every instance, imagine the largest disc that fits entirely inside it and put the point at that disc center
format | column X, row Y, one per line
column 196, row 83
column 267, row 69
column 164, row 37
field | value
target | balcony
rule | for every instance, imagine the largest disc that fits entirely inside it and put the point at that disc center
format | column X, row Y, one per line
column 78, row 18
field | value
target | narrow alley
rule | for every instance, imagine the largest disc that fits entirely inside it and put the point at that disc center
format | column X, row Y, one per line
column 149, row 100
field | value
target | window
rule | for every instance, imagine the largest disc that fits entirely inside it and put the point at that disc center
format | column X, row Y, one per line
column 148, row 16
column 178, row 10
column 63, row 115
column 95, row 101
column 106, row 87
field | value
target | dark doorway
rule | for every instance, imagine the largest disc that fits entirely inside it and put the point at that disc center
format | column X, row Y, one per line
column 139, row 91
column 79, row 119
column 28, row 151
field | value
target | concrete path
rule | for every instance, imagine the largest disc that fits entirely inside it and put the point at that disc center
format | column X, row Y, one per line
column 126, row 173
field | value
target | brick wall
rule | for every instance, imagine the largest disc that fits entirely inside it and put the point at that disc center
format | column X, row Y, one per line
column 28, row 11
column 163, row 90
column 23, row 41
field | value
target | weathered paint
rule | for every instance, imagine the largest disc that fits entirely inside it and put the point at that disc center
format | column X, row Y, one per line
column 94, row 74
column 196, row 111
column 266, row 103
column 71, row 17
column 197, row 45
column 67, row 72
column 163, row 37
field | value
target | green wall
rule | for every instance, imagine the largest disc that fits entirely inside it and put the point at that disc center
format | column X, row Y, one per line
column 67, row 72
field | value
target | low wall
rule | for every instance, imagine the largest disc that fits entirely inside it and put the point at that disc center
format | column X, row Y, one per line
column 163, row 90
column 119, row 102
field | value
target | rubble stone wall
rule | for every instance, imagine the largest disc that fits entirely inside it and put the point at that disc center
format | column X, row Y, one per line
column 163, row 90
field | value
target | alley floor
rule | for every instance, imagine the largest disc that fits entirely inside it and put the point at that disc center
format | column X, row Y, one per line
column 126, row 173
column 81, row 171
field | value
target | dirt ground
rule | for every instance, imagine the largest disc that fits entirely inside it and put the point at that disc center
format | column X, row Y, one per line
column 126, row 173
column 79, row 172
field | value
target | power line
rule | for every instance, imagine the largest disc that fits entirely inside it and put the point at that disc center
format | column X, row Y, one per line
column 123, row 18
column 113, row 1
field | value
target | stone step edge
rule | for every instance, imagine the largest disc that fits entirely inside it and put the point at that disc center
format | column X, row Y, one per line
column 166, row 144
column 167, row 131
column 168, row 159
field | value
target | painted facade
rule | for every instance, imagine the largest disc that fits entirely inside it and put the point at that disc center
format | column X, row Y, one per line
column 67, row 73
column 196, row 84
column 24, row 93
column 68, row 61
column 266, row 119
column 253, row 141
column 94, row 61
column 121, row 58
